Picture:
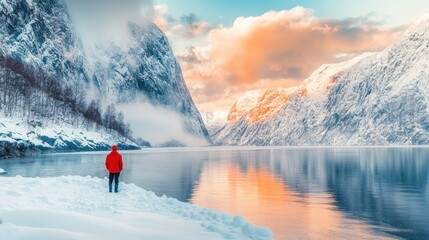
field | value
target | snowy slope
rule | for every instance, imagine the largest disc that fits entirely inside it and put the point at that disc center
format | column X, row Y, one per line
column 18, row 138
column 42, row 34
column 259, row 105
column 214, row 121
column 244, row 104
column 73, row 207
column 324, row 78
column 375, row 99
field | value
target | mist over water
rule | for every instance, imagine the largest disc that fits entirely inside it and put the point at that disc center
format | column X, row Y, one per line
column 300, row 193
column 158, row 124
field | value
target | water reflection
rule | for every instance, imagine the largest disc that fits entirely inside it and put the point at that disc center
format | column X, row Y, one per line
column 165, row 173
column 250, row 188
column 305, row 193
column 384, row 186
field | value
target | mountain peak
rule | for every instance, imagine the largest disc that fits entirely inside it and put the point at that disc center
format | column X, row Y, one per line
column 417, row 32
column 422, row 22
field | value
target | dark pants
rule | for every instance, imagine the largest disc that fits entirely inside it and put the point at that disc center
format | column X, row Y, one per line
column 111, row 176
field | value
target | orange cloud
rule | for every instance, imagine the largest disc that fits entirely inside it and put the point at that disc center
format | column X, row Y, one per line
column 291, row 44
column 276, row 49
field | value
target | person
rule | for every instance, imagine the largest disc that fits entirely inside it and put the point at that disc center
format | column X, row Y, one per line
column 114, row 165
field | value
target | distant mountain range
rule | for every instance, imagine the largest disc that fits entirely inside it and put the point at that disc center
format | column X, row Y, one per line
column 373, row 99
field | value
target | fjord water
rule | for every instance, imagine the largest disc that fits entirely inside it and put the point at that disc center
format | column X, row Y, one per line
column 300, row 193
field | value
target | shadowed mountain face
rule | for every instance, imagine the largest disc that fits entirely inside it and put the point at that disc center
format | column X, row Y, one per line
column 378, row 99
column 42, row 35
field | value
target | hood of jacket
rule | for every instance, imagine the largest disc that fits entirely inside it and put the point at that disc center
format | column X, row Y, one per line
column 114, row 148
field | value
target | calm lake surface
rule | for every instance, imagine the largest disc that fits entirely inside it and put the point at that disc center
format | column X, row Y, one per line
column 300, row 193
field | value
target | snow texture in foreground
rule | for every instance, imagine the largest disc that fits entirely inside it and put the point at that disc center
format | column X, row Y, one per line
column 74, row 207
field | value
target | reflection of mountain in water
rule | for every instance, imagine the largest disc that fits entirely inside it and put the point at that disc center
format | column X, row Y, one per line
column 174, row 174
column 380, row 185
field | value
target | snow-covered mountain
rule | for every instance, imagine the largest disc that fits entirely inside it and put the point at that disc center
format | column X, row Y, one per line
column 374, row 99
column 146, row 68
column 41, row 33
column 214, row 121
column 40, row 37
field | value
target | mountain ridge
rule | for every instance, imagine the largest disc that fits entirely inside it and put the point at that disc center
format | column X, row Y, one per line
column 379, row 100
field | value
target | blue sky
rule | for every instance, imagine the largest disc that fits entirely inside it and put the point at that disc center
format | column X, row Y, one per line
column 392, row 12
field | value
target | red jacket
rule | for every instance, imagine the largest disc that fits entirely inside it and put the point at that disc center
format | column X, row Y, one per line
column 114, row 161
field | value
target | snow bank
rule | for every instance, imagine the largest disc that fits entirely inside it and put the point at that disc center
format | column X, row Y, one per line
column 73, row 207
column 54, row 137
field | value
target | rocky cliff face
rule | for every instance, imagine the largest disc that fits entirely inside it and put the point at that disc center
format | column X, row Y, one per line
column 41, row 34
column 148, row 68
column 376, row 99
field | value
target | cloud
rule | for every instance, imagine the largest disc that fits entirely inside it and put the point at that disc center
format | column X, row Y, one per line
column 191, row 26
column 278, row 48
column 101, row 21
column 188, row 26
column 213, row 89
column 291, row 44
column 157, row 124
column 161, row 17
